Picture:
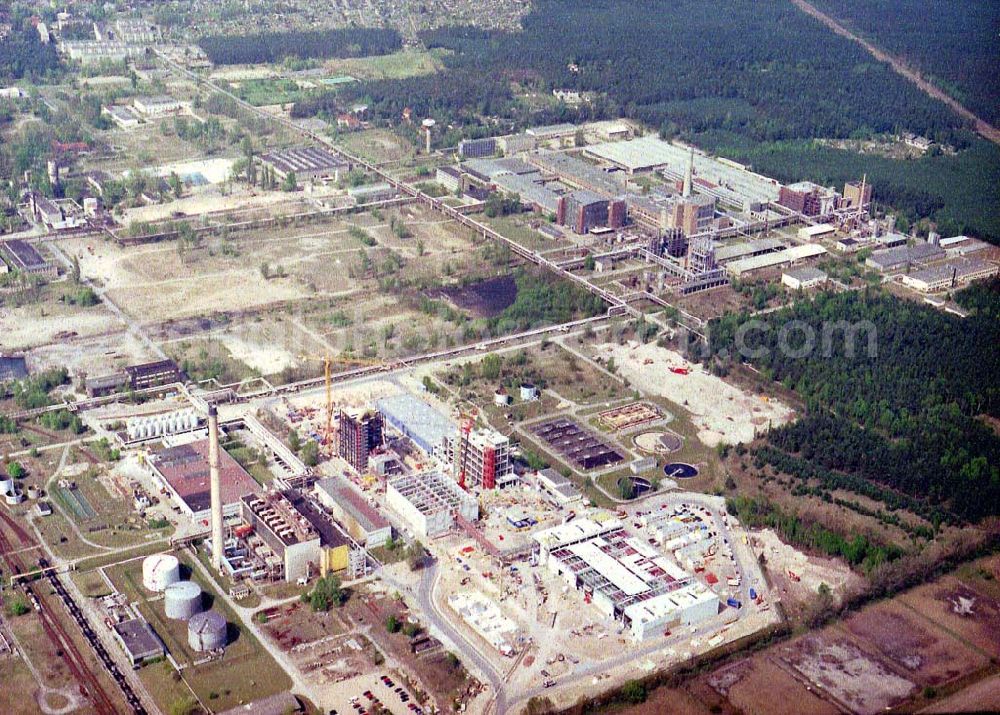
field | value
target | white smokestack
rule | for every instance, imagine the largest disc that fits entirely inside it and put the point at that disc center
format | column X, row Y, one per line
column 689, row 175
column 215, row 486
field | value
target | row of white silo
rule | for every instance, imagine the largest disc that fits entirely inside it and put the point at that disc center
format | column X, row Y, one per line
column 151, row 426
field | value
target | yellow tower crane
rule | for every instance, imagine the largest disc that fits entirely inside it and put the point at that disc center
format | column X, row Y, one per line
column 327, row 361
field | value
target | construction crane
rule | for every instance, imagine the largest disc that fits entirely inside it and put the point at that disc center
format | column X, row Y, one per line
column 327, row 361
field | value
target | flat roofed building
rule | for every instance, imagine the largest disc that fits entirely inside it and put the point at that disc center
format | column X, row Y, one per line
column 552, row 131
column 425, row 426
column 138, row 640
column 617, row 571
column 153, row 374
column 558, row 487
column 361, row 519
column 13, row 367
column 950, row 274
column 573, row 532
column 802, row 278
column 808, row 199
column 578, row 173
column 726, row 180
column 372, row 193
column 430, row 502
column 159, row 105
column 24, row 257
column 778, row 258
column 287, row 531
column 686, row 606
column 475, row 148
column 359, row 434
column 531, row 190
column 450, row 177
column 895, row 259
column 747, row 249
column 517, row 144
column 124, row 117
column 814, row 233
column 183, row 470
column 307, row 163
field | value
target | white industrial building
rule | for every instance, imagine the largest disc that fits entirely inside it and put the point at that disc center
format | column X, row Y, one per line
column 683, row 607
column 624, row 578
column 802, row 278
column 559, row 488
column 363, row 521
column 287, row 532
column 159, row 106
column 950, row 274
column 430, row 502
column 772, row 260
column 814, row 233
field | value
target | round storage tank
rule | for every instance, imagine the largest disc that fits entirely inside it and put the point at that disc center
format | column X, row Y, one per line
column 14, row 496
column 159, row 571
column 182, row 600
column 33, row 492
column 6, row 485
column 207, row 631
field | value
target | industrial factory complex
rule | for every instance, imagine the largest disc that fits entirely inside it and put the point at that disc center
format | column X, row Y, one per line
column 312, row 412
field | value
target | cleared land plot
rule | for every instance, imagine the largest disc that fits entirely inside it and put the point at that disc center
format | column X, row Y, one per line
column 50, row 321
column 903, row 638
column 98, row 355
column 978, row 697
column 378, row 145
column 758, row 685
column 960, row 610
column 398, row 65
column 857, row 679
column 722, row 413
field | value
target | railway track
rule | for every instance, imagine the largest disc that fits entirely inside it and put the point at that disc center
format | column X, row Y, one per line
column 79, row 666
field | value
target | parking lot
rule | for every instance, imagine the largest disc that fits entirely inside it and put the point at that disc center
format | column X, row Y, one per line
column 361, row 696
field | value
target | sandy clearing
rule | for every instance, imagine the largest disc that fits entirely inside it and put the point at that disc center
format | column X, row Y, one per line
column 96, row 356
column 266, row 359
column 27, row 327
column 722, row 413
column 812, row 571
column 233, row 290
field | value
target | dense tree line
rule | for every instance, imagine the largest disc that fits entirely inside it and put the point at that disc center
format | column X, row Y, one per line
column 954, row 43
column 22, row 55
column 857, row 550
column 275, row 46
column 906, row 417
column 773, row 72
column 982, row 298
column 766, row 71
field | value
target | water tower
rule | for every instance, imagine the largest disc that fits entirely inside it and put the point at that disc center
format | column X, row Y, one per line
column 427, row 125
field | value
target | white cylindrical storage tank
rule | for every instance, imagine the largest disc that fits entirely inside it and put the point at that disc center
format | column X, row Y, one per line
column 14, row 496
column 207, row 631
column 159, row 571
column 6, row 485
column 34, row 492
column 182, row 600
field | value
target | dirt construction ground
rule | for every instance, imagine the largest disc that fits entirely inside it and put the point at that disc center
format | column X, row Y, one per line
column 719, row 410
